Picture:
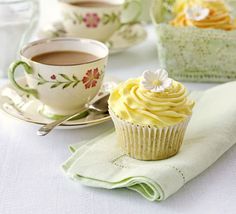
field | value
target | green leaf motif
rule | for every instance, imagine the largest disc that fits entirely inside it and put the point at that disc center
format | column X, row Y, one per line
column 75, row 84
column 55, row 85
column 113, row 17
column 40, row 83
column 108, row 18
column 78, row 17
column 75, row 78
column 65, row 77
column 65, row 82
column 40, row 76
column 66, row 85
column 105, row 19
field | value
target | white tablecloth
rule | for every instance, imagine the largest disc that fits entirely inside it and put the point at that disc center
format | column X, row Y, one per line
column 31, row 180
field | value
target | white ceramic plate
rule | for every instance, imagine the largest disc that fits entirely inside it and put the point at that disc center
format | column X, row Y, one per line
column 23, row 107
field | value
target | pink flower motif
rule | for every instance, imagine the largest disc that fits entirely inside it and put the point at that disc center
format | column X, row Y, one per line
column 91, row 20
column 53, row 77
column 90, row 78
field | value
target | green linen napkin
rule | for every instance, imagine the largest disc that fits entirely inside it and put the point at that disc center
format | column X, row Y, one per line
column 211, row 132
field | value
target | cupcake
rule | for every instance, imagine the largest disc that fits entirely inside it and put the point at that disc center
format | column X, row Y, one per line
column 150, row 115
column 196, row 39
column 206, row 14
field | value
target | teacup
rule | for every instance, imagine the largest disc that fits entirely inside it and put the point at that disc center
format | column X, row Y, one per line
column 62, row 89
column 98, row 19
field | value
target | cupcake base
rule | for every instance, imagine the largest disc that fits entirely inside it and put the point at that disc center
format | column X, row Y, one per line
column 148, row 142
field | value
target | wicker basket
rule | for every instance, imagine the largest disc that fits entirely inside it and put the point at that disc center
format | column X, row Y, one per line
column 194, row 54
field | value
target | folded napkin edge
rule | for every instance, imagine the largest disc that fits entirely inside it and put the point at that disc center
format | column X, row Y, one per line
column 143, row 185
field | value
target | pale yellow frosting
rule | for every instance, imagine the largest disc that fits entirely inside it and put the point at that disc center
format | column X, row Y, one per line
column 219, row 15
column 133, row 103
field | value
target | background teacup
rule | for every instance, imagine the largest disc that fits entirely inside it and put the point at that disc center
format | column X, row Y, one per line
column 62, row 89
column 97, row 19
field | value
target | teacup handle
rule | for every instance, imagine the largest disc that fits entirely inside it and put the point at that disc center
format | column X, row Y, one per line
column 127, row 5
column 11, row 76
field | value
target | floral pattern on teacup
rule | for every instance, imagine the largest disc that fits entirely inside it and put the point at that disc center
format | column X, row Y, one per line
column 91, row 78
column 53, row 77
column 91, row 20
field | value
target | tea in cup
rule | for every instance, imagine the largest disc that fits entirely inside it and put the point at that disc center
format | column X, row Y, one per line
column 63, row 73
column 98, row 19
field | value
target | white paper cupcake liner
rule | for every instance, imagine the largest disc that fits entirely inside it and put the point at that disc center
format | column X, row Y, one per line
column 149, row 142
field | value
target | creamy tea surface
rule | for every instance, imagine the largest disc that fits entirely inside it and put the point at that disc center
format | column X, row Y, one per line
column 64, row 58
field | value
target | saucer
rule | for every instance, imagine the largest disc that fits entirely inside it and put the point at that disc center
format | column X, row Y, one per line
column 26, row 108
column 127, row 36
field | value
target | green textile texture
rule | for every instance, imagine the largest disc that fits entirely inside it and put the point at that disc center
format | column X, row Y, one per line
column 211, row 131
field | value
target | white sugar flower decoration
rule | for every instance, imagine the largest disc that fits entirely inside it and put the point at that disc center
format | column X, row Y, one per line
column 196, row 13
column 156, row 81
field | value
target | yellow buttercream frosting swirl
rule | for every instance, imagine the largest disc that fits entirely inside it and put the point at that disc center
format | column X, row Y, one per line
column 218, row 18
column 135, row 104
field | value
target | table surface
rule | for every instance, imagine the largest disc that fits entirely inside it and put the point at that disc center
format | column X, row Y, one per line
column 31, row 180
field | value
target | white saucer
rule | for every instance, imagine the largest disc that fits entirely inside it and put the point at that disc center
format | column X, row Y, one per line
column 24, row 107
column 126, row 37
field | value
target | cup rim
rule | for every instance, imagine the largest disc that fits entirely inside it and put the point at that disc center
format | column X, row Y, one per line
column 49, row 40
column 71, row 4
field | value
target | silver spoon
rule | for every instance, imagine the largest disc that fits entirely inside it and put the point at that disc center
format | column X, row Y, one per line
column 100, row 105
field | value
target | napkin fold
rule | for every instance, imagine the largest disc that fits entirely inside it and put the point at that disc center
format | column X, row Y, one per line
column 211, row 132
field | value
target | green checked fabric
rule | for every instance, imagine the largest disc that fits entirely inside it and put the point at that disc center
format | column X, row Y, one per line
column 211, row 132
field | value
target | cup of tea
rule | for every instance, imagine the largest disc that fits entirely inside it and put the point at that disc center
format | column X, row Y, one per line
column 98, row 19
column 63, row 73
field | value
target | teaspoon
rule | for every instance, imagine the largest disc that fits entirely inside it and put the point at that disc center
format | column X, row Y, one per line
column 101, row 105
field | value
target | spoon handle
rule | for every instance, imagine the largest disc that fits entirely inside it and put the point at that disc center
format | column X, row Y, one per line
column 45, row 129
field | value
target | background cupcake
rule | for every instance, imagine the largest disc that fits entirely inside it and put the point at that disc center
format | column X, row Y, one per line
column 206, row 14
column 150, row 114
